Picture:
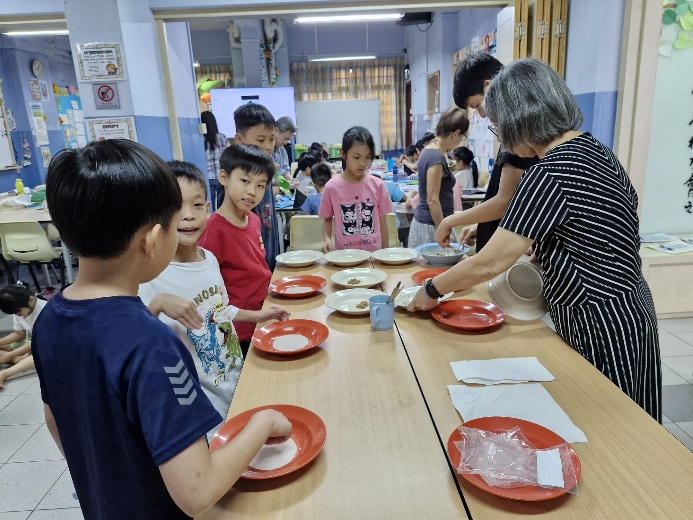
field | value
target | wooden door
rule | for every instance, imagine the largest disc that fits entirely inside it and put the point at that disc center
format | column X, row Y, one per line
column 559, row 36
column 520, row 41
column 542, row 30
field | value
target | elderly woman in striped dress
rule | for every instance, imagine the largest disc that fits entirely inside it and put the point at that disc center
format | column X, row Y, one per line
column 578, row 209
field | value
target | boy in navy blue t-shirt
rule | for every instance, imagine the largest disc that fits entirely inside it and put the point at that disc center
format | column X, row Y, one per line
column 122, row 398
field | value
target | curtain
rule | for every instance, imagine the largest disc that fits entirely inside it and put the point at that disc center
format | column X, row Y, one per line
column 216, row 73
column 382, row 79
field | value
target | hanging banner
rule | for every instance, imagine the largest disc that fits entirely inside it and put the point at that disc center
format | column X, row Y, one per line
column 100, row 61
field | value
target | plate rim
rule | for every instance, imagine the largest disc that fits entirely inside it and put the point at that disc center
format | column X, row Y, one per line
column 335, row 294
column 337, row 262
column 319, row 279
column 479, row 483
column 286, row 409
column 500, row 315
column 441, row 269
column 267, row 329
column 320, row 255
column 371, row 269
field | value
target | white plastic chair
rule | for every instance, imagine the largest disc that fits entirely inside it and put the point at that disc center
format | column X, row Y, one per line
column 27, row 243
column 306, row 233
column 393, row 233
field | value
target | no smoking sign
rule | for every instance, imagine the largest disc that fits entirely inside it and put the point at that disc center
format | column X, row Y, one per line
column 106, row 95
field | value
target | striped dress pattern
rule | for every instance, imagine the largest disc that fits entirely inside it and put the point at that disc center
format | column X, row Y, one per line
column 580, row 208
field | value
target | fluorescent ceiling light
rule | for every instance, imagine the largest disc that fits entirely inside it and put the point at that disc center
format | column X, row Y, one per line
column 43, row 32
column 344, row 58
column 348, row 18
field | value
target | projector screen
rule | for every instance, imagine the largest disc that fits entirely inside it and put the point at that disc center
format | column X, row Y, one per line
column 278, row 100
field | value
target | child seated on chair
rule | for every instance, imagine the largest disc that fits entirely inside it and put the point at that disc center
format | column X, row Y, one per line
column 190, row 297
column 15, row 348
column 319, row 175
column 233, row 232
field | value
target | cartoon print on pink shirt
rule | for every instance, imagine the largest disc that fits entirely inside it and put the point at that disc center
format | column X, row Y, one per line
column 358, row 218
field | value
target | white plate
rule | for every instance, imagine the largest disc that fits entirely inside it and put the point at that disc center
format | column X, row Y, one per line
column 346, row 301
column 347, row 257
column 405, row 296
column 299, row 258
column 364, row 277
column 395, row 255
column 519, row 291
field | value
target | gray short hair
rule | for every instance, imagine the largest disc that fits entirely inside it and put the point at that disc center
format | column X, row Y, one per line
column 531, row 104
column 285, row 124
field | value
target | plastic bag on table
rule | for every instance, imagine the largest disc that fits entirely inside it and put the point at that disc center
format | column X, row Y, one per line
column 509, row 460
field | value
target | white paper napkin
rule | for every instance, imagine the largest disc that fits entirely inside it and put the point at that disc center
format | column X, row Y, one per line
column 503, row 370
column 529, row 402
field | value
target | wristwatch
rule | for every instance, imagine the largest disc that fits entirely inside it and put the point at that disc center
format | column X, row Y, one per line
column 431, row 290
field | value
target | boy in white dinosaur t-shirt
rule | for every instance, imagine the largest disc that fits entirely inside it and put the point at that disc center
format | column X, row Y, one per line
column 190, row 296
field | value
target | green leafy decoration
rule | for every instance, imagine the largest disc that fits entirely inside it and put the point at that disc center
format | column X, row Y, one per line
column 669, row 17
column 686, row 21
column 683, row 41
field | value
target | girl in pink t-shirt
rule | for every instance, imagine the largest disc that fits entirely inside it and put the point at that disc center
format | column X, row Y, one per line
column 357, row 201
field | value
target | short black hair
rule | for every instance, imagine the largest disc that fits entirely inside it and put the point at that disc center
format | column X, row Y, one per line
column 471, row 74
column 251, row 114
column 101, row 195
column 249, row 158
column 412, row 150
column 14, row 298
column 464, row 154
column 190, row 172
column 419, row 145
column 320, row 174
column 305, row 160
column 427, row 138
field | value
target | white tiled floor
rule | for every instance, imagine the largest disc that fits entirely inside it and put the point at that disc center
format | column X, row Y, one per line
column 35, row 483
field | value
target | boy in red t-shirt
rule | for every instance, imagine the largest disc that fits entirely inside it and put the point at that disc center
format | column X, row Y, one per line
column 234, row 234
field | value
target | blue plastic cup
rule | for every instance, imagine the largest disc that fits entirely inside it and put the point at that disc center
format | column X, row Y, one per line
column 382, row 312
column 390, row 163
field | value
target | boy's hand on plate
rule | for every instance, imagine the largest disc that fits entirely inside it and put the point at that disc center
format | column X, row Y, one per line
column 279, row 425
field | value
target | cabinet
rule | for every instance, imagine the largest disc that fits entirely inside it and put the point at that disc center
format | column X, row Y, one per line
column 670, row 278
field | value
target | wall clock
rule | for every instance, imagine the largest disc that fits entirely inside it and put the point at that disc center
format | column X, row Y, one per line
column 37, row 68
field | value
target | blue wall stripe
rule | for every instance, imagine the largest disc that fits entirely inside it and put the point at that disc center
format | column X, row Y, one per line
column 599, row 113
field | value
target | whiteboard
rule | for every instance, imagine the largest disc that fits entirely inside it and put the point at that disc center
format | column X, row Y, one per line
column 278, row 100
column 326, row 121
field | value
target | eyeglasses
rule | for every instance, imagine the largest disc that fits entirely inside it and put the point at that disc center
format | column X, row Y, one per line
column 494, row 130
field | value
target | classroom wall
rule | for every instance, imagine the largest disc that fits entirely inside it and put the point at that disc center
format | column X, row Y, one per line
column 669, row 159
column 211, row 47
column 474, row 22
column 16, row 56
column 432, row 50
column 592, row 63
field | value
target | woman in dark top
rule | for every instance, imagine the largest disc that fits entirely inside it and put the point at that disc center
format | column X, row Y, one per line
column 507, row 171
column 588, row 246
column 435, row 178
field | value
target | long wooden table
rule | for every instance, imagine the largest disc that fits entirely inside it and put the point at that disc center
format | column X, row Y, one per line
column 632, row 467
column 384, row 457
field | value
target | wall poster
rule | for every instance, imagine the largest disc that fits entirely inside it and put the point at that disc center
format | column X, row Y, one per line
column 100, row 61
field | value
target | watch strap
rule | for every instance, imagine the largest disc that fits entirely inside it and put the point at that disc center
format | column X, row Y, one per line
column 431, row 290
